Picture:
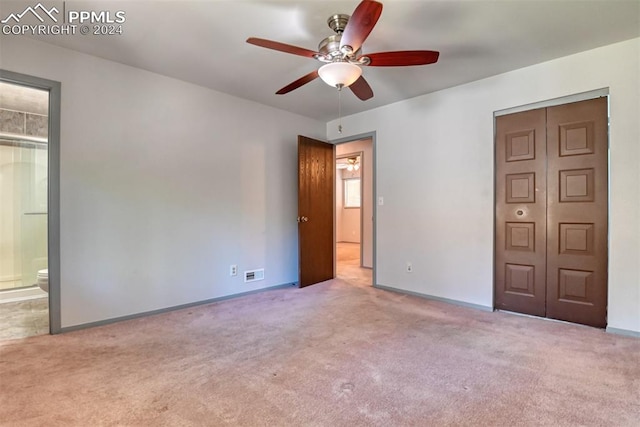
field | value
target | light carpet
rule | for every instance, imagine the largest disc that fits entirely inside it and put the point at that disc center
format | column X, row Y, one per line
column 331, row 354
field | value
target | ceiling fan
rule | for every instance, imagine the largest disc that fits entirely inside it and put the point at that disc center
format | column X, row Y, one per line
column 342, row 52
column 348, row 163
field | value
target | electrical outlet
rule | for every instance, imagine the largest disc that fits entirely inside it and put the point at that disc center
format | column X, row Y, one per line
column 409, row 268
column 233, row 270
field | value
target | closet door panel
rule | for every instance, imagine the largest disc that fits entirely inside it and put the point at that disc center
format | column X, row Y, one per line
column 577, row 207
column 520, row 212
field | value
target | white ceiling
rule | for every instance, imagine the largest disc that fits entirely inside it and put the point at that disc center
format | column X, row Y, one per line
column 203, row 42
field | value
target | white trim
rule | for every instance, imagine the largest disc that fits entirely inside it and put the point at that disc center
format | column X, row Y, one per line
column 435, row 298
column 625, row 332
column 169, row 309
column 592, row 94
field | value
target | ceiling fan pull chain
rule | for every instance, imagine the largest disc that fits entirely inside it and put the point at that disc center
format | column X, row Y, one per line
column 339, row 110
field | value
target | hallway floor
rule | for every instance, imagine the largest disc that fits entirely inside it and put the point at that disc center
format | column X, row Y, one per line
column 348, row 265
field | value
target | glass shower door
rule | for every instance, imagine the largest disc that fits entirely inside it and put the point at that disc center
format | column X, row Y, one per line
column 23, row 212
column 34, row 216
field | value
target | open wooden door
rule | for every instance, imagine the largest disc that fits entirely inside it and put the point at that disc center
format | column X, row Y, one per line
column 316, row 182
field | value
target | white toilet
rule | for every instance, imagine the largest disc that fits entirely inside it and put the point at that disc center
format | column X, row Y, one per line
column 43, row 279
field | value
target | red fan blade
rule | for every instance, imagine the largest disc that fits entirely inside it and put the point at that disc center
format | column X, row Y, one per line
column 300, row 82
column 360, row 24
column 361, row 89
column 282, row 47
column 402, row 58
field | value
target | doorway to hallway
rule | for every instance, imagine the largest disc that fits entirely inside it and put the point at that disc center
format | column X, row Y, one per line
column 354, row 212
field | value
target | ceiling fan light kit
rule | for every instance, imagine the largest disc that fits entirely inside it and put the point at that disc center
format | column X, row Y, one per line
column 342, row 53
column 339, row 74
column 350, row 163
column 353, row 164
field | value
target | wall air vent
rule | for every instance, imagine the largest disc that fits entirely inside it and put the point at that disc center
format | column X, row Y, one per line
column 254, row 275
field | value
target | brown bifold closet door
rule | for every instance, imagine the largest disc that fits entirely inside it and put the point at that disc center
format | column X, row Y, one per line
column 521, row 212
column 551, row 212
column 577, row 164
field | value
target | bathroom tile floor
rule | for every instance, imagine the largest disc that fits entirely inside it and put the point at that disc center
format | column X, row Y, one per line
column 24, row 318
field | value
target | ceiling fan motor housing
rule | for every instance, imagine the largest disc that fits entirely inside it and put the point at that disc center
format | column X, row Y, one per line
column 338, row 22
column 329, row 48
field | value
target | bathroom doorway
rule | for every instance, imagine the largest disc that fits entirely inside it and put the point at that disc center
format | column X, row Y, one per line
column 354, row 212
column 24, row 192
